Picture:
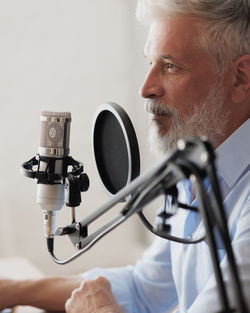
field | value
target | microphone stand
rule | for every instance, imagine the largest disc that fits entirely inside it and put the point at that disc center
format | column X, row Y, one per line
column 195, row 160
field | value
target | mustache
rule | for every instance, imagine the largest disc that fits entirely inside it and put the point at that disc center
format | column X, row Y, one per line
column 158, row 108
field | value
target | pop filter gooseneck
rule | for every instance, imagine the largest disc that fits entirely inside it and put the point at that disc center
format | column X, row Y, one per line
column 115, row 147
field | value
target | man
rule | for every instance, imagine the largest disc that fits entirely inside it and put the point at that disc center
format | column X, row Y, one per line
column 198, row 84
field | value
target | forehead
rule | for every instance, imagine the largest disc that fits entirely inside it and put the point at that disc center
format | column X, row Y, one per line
column 178, row 36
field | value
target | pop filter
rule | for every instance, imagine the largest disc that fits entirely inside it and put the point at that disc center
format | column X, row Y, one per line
column 115, row 147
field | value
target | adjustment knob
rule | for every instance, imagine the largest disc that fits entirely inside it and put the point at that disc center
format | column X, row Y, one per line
column 84, row 182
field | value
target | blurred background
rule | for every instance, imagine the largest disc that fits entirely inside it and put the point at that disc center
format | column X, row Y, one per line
column 62, row 55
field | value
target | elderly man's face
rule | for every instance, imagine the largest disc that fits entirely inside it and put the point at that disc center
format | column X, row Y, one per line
column 185, row 95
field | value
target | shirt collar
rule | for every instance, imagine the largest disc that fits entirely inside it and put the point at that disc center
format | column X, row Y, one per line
column 233, row 154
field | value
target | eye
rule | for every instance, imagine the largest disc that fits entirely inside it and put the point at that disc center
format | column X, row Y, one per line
column 172, row 68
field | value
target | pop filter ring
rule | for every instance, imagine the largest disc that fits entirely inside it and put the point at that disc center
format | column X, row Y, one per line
column 115, row 113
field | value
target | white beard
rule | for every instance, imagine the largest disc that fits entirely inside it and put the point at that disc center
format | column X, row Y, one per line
column 207, row 119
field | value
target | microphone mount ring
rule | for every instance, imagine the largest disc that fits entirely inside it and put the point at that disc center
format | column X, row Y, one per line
column 48, row 176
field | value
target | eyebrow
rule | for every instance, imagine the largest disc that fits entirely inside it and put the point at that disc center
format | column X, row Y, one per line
column 167, row 57
column 163, row 57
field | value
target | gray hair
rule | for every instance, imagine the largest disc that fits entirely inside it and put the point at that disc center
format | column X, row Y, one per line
column 226, row 24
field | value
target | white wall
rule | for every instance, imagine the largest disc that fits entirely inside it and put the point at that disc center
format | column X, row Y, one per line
column 62, row 55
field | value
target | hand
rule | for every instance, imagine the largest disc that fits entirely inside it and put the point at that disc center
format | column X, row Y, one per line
column 7, row 295
column 93, row 296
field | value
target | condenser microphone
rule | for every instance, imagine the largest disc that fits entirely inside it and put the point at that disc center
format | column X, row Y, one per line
column 54, row 147
column 56, row 183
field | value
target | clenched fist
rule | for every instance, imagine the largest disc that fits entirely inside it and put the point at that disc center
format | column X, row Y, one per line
column 93, row 296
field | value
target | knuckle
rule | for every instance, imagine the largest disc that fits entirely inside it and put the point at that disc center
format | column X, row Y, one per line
column 75, row 292
column 103, row 281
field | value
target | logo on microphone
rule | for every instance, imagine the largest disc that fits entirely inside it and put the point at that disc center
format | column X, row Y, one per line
column 52, row 132
column 54, row 135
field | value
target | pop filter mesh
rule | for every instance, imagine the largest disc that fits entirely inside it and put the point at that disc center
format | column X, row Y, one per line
column 110, row 152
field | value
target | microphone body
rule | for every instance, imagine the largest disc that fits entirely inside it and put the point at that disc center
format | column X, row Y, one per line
column 56, row 184
column 54, row 147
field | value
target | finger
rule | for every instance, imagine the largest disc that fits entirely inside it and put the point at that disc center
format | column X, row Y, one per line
column 103, row 282
column 68, row 305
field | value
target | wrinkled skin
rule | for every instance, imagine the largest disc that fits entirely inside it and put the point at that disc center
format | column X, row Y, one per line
column 93, row 296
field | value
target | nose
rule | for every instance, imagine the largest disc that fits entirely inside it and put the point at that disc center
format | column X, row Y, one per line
column 153, row 85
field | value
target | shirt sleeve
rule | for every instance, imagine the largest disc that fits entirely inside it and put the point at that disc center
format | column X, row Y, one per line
column 146, row 287
column 240, row 245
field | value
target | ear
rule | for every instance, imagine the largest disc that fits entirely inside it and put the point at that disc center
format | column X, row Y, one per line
column 241, row 79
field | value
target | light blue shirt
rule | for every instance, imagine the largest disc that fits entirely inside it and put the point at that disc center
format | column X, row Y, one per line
column 170, row 274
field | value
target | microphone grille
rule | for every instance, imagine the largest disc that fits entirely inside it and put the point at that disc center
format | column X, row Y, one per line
column 55, row 132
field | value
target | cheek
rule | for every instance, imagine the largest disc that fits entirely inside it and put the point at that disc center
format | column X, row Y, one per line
column 185, row 93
